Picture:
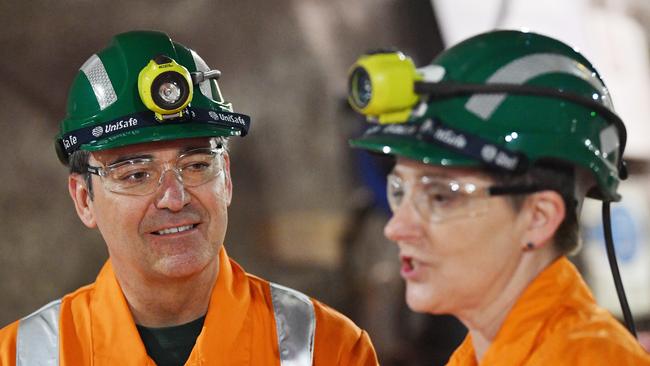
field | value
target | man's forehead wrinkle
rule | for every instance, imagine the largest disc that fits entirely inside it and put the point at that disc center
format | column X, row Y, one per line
column 109, row 158
column 122, row 158
column 147, row 151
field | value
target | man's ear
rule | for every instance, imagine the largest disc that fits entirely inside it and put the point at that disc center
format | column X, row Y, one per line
column 226, row 171
column 545, row 212
column 82, row 201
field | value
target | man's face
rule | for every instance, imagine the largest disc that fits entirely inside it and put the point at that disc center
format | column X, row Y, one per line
column 457, row 263
column 173, row 232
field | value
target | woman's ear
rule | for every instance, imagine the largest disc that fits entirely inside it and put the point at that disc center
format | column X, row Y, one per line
column 82, row 199
column 545, row 213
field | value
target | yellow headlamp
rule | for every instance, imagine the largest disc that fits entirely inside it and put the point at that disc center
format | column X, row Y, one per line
column 165, row 87
column 381, row 85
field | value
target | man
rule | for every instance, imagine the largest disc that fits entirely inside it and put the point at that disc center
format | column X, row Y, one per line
column 145, row 139
column 497, row 143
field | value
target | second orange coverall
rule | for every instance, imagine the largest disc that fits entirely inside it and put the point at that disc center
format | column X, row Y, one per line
column 556, row 321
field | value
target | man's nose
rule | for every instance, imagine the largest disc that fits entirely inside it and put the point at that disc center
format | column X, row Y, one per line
column 171, row 192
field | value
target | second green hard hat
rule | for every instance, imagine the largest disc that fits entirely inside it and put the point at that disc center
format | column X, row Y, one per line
column 534, row 127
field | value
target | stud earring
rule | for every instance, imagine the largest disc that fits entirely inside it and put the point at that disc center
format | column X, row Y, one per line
column 528, row 246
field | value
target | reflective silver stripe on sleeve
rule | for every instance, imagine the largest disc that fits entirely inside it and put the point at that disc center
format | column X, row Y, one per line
column 99, row 81
column 295, row 323
column 37, row 343
column 528, row 67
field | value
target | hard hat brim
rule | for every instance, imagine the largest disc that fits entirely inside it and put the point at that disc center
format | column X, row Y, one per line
column 421, row 151
column 160, row 133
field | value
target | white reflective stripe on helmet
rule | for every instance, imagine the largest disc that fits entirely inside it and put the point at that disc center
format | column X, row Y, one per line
column 528, row 67
column 99, row 81
column 204, row 86
column 295, row 323
column 37, row 343
column 209, row 88
column 609, row 140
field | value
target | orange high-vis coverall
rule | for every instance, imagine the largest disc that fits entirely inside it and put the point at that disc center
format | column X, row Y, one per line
column 96, row 327
column 557, row 322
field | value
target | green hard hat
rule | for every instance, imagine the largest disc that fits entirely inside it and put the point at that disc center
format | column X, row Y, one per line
column 558, row 109
column 144, row 87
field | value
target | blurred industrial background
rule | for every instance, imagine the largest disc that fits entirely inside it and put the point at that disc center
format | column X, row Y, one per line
column 307, row 211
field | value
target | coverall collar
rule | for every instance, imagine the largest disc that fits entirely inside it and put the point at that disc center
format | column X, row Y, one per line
column 559, row 284
column 115, row 339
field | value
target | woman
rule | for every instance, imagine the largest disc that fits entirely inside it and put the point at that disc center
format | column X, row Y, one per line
column 508, row 133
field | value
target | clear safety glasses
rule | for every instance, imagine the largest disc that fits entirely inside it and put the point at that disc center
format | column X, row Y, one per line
column 438, row 199
column 143, row 176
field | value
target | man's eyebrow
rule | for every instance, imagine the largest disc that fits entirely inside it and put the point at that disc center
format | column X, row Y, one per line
column 193, row 147
column 181, row 151
column 123, row 158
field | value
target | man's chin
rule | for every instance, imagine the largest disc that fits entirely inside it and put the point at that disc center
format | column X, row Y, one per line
column 180, row 266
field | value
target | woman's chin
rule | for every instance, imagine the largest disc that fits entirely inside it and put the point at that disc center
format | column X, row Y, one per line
column 422, row 300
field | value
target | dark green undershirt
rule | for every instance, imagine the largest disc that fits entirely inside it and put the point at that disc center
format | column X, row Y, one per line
column 171, row 346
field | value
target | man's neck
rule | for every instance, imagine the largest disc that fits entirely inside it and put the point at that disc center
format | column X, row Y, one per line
column 484, row 322
column 168, row 302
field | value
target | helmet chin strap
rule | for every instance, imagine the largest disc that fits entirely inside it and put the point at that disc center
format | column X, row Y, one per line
column 611, row 256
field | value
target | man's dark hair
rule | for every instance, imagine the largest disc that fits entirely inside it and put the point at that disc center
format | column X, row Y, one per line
column 558, row 177
column 78, row 164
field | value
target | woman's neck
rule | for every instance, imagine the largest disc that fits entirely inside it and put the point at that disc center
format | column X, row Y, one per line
column 485, row 321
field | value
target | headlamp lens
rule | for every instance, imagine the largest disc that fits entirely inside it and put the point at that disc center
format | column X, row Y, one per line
column 360, row 87
column 170, row 92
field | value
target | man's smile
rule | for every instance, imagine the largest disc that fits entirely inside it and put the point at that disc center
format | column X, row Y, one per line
column 174, row 230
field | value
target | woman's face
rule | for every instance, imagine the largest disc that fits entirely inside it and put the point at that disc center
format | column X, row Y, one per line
column 458, row 252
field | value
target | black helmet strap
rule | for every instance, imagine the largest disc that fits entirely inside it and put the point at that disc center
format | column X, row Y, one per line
column 448, row 89
column 72, row 141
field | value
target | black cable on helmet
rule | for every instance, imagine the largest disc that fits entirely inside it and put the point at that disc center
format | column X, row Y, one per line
column 611, row 256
